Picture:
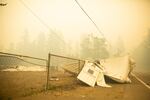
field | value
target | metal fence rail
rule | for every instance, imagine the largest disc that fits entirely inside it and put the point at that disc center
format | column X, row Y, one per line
column 59, row 61
column 17, row 57
column 23, row 56
column 53, row 64
column 22, row 73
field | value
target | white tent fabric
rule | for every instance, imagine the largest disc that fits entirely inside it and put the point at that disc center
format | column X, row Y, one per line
column 101, row 81
column 118, row 68
column 91, row 74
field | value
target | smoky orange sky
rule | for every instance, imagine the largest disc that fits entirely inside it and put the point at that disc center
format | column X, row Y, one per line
column 129, row 19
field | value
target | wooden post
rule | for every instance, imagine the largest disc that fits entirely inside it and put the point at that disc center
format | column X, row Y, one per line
column 48, row 70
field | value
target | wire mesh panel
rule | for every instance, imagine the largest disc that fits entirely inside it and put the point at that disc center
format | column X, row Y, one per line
column 21, row 75
column 62, row 71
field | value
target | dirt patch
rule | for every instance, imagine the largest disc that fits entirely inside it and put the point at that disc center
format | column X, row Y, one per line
column 31, row 86
column 15, row 84
column 25, row 83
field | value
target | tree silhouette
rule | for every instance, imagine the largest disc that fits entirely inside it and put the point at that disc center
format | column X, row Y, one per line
column 86, row 47
column 24, row 45
column 94, row 47
column 119, row 47
column 40, row 45
column 56, row 43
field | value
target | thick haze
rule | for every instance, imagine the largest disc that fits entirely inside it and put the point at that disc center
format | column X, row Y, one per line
column 128, row 19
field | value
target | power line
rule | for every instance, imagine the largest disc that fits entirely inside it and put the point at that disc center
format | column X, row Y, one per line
column 47, row 26
column 33, row 13
column 90, row 18
column 93, row 23
column 40, row 20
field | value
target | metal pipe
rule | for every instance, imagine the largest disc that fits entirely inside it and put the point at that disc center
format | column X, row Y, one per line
column 48, row 67
column 23, row 56
column 66, row 57
column 79, row 66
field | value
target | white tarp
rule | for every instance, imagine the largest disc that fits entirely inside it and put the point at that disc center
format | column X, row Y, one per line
column 89, row 74
column 92, row 74
column 117, row 68
column 101, row 80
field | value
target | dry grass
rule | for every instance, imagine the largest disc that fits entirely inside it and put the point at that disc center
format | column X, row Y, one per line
column 31, row 86
column 26, row 83
column 15, row 84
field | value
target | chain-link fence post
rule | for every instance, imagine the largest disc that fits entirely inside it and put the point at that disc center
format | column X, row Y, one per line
column 78, row 66
column 48, row 70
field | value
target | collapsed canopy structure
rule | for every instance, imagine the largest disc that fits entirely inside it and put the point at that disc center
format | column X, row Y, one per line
column 118, row 69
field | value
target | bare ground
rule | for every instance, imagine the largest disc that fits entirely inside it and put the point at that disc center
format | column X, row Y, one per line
column 31, row 86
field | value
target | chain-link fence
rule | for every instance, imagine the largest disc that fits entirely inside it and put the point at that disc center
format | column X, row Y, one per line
column 62, row 71
column 25, row 75
column 21, row 75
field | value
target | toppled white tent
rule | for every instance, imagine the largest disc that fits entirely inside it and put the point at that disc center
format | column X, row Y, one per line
column 101, row 80
column 118, row 69
column 91, row 74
